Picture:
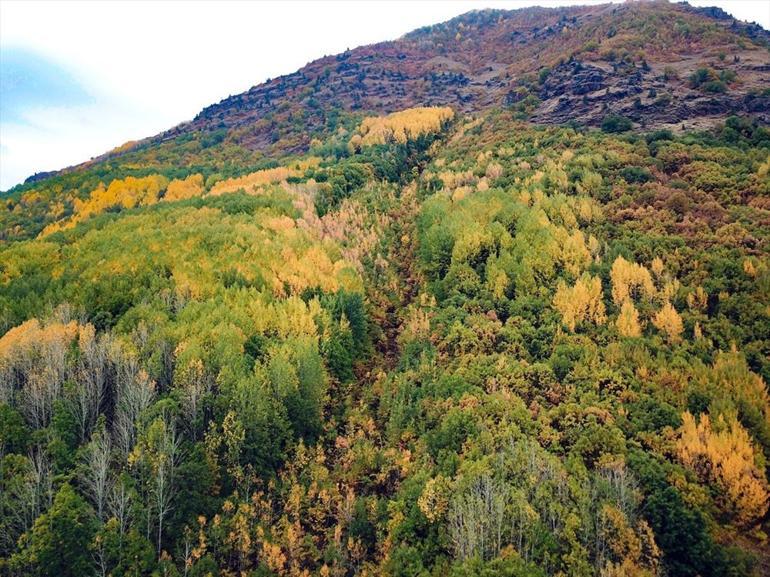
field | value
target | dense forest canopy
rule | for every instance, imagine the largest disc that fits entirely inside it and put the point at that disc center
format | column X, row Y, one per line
column 455, row 338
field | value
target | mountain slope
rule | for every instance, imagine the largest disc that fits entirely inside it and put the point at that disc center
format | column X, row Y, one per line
column 484, row 58
column 359, row 332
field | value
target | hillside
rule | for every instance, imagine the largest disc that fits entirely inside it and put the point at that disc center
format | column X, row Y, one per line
column 489, row 299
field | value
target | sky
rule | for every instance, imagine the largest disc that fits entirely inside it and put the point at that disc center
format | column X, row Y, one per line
column 78, row 78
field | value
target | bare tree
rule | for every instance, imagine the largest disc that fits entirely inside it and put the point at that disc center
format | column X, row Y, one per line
column 194, row 384
column 477, row 518
column 623, row 489
column 135, row 392
column 119, row 505
column 168, row 456
column 188, row 550
column 612, row 485
column 92, row 373
column 96, row 476
column 155, row 460
column 46, row 370
column 40, row 482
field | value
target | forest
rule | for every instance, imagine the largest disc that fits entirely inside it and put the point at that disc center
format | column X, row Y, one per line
column 434, row 343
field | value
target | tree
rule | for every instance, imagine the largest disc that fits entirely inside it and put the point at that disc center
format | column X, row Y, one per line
column 580, row 303
column 630, row 280
column 18, row 508
column 724, row 455
column 96, row 471
column 59, row 542
column 134, row 391
column 402, row 126
column 13, row 432
column 668, row 321
column 613, row 123
column 194, row 384
column 33, row 358
column 156, row 458
column 477, row 519
column 121, row 193
column 190, row 187
column 92, row 373
column 628, row 320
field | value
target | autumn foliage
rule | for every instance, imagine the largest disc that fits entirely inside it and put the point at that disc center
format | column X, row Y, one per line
column 722, row 453
column 581, row 303
column 401, row 126
column 630, row 281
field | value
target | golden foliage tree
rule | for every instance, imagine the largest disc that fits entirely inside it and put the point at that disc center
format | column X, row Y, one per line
column 630, row 280
column 128, row 192
column 668, row 321
column 628, row 323
column 632, row 551
column 190, row 187
column 724, row 455
column 575, row 254
column 402, row 126
column 251, row 182
column 33, row 358
column 580, row 303
column 698, row 299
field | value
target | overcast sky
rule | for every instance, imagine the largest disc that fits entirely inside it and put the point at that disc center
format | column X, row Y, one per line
column 79, row 78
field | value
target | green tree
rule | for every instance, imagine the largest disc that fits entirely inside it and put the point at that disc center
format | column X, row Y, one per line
column 613, row 123
column 59, row 542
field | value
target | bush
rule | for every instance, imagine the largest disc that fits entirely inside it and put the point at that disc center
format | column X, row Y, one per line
column 707, row 80
column 659, row 135
column 614, row 123
column 701, row 76
column 714, row 87
column 635, row 174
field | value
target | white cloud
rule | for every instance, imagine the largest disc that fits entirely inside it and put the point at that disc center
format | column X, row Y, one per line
column 151, row 65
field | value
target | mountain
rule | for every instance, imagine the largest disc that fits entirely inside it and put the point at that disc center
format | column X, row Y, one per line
column 489, row 299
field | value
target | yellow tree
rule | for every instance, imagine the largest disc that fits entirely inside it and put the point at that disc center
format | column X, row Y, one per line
column 190, row 187
column 580, row 303
column 630, row 280
column 668, row 321
column 628, row 324
column 724, row 455
column 34, row 362
column 402, row 126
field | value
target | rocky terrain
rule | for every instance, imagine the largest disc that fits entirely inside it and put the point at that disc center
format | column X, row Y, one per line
column 600, row 61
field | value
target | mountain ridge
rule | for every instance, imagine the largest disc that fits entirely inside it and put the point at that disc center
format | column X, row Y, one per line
column 384, row 77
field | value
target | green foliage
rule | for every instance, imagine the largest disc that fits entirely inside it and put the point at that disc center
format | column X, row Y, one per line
column 614, row 123
column 503, row 567
column 339, row 185
column 635, row 174
column 14, row 433
column 59, row 542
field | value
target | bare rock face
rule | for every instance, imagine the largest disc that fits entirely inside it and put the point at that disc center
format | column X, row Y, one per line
column 575, row 79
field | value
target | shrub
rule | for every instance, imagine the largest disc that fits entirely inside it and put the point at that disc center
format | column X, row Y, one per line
column 635, row 174
column 701, row 76
column 714, row 87
column 707, row 80
column 614, row 123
